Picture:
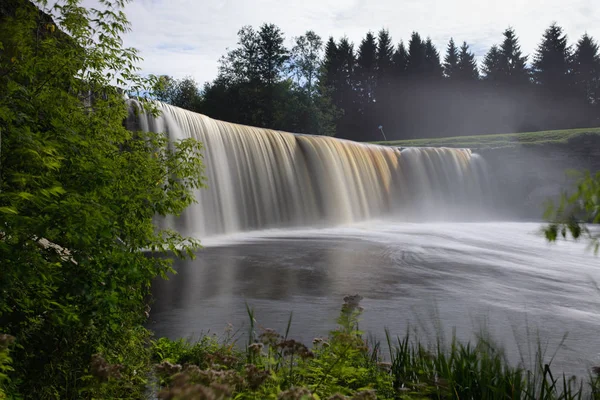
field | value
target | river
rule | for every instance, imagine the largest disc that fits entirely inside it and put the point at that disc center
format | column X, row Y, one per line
column 434, row 278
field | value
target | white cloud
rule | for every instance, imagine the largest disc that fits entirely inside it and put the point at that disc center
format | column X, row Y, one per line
column 187, row 37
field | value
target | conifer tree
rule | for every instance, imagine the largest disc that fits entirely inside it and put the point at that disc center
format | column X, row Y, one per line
column 433, row 66
column 492, row 65
column 366, row 73
column 586, row 69
column 467, row 66
column 451, row 60
column 385, row 55
column 417, row 58
column 513, row 65
column 400, row 60
column 552, row 62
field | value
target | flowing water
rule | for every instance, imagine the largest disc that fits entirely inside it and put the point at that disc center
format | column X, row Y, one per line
column 296, row 222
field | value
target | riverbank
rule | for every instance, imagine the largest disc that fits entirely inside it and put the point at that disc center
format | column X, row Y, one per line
column 346, row 365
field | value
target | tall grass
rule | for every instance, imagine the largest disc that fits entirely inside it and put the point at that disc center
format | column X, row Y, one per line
column 346, row 365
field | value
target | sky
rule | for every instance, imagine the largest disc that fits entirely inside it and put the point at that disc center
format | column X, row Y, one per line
column 187, row 37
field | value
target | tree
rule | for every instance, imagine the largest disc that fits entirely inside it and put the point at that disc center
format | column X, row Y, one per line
column 79, row 194
column 385, row 55
column 241, row 64
column 272, row 54
column 451, row 60
column 182, row 93
column 467, row 66
column 306, row 60
column 400, row 60
column 417, row 58
column 552, row 62
column 492, row 65
column 433, row 66
column 366, row 70
column 513, row 65
column 586, row 69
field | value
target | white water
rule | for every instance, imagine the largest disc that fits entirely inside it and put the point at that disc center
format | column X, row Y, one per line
column 260, row 178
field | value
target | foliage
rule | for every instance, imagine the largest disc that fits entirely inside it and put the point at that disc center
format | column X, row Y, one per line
column 350, row 90
column 451, row 60
column 574, row 211
column 344, row 365
column 552, row 61
column 78, row 195
column 467, row 66
column 182, row 93
column 6, row 341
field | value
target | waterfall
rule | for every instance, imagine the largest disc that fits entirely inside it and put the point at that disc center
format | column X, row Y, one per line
column 261, row 178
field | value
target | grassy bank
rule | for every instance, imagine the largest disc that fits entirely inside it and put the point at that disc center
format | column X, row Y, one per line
column 499, row 140
column 344, row 365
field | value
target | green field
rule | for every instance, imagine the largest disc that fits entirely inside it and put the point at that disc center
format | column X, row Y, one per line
column 499, row 140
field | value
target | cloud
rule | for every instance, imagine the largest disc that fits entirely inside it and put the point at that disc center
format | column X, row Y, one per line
column 187, row 37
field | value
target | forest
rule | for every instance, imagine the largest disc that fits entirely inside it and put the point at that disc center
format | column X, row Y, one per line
column 380, row 90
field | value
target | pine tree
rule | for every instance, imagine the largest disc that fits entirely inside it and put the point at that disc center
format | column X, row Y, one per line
column 451, row 60
column 552, row 62
column 513, row 65
column 366, row 73
column 400, row 60
column 586, row 69
column 330, row 66
column 433, row 66
column 492, row 65
column 467, row 66
column 417, row 58
column 385, row 55
column 347, row 64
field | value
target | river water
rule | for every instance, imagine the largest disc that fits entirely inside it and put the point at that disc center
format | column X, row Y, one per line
column 434, row 278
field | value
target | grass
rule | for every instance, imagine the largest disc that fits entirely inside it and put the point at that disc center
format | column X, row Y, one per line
column 499, row 140
column 344, row 365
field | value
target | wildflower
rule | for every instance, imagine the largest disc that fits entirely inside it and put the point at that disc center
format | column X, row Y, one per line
column 207, row 377
column 269, row 337
column 6, row 341
column 338, row 396
column 351, row 304
column 218, row 360
column 365, row 395
column 256, row 377
column 296, row 394
column 255, row 348
column 188, row 391
column 166, row 369
column 103, row 370
column 291, row 347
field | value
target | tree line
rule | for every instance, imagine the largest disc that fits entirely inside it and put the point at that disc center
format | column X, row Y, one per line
column 401, row 91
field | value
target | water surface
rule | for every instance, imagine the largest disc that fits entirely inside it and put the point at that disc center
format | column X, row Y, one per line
column 431, row 277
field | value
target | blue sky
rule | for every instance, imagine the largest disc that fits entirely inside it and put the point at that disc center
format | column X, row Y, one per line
column 187, row 37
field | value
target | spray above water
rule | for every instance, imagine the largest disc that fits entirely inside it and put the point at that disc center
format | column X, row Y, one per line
column 260, row 178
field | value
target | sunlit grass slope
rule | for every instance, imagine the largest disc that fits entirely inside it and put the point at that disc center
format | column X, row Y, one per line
column 499, row 140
